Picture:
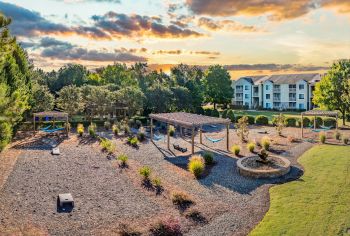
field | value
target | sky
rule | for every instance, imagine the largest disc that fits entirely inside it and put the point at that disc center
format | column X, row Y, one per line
column 248, row 37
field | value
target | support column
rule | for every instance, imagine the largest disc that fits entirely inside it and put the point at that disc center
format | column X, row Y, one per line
column 315, row 122
column 200, row 135
column 67, row 125
column 168, row 136
column 192, row 140
column 151, row 130
column 228, row 137
column 34, row 125
column 302, row 126
column 336, row 122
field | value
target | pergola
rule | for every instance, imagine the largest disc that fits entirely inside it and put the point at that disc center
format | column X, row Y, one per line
column 316, row 113
column 53, row 114
column 190, row 121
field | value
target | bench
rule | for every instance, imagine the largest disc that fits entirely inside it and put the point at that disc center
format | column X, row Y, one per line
column 181, row 149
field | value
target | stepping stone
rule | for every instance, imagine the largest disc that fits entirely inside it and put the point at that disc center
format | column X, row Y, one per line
column 55, row 151
column 65, row 199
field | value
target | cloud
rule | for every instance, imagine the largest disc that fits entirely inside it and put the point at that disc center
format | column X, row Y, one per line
column 29, row 23
column 178, row 52
column 82, row 1
column 228, row 25
column 342, row 6
column 276, row 9
column 122, row 25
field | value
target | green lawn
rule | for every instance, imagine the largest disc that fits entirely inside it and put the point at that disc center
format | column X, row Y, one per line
column 269, row 114
column 318, row 204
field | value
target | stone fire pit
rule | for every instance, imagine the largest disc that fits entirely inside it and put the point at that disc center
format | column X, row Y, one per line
column 251, row 167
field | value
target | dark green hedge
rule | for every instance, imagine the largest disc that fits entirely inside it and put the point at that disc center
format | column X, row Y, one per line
column 291, row 122
column 261, row 120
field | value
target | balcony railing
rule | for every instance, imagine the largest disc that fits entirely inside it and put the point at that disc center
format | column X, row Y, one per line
column 292, row 99
column 276, row 99
column 256, row 94
column 276, row 90
column 239, row 98
column 239, row 90
column 292, row 90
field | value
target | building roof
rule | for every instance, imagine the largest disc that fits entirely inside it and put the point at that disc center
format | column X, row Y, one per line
column 188, row 119
column 283, row 79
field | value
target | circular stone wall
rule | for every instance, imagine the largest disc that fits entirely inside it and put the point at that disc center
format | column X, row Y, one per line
column 248, row 167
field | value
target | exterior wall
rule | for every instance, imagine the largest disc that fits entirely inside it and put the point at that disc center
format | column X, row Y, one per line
column 243, row 94
column 268, row 90
column 284, row 96
column 302, row 103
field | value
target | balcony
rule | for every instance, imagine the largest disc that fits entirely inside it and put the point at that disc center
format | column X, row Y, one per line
column 292, row 90
column 276, row 99
column 276, row 90
column 239, row 90
column 239, row 98
column 255, row 94
column 293, row 99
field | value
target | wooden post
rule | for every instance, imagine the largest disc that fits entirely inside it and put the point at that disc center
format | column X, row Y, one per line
column 151, row 130
column 200, row 135
column 67, row 124
column 302, row 126
column 315, row 122
column 228, row 137
column 168, row 136
column 336, row 122
column 34, row 124
column 192, row 140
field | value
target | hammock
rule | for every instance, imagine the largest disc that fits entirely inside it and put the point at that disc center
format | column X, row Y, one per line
column 53, row 130
column 46, row 128
column 158, row 137
column 214, row 140
column 323, row 128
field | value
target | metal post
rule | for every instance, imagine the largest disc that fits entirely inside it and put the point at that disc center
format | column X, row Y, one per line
column 151, row 129
column 168, row 136
column 228, row 137
column 192, row 140
column 302, row 126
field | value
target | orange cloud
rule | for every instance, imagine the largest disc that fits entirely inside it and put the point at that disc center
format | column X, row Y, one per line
column 229, row 25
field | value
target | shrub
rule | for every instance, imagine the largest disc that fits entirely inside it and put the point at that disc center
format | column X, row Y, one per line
column 133, row 141
column 157, row 182
column 181, row 199
column 126, row 129
column 208, row 158
column 224, row 114
column 280, row 122
column 322, row 137
column 251, row 146
column 215, row 113
column 235, row 149
column 123, row 159
column 291, row 121
column 196, row 165
column 337, row 135
column 265, row 143
column 231, row 115
column 80, row 129
column 238, row 117
column 251, row 120
column 319, row 121
column 115, row 129
column 329, row 122
column 306, row 122
column 141, row 136
column 92, row 130
column 169, row 227
column 171, row 130
column 5, row 134
column 107, row 145
column 107, row 125
column 261, row 120
column 345, row 140
column 145, row 172
column 242, row 129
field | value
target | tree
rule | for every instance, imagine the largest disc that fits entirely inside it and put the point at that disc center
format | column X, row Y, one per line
column 280, row 123
column 71, row 74
column 118, row 74
column 242, row 128
column 218, row 85
column 98, row 100
column 158, row 99
column 70, row 100
column 15, row 82
column 132, row 97
column 333, row 91
column 181, row 99
column 42, row 99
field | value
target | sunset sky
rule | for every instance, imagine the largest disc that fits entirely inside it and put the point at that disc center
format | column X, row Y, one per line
column 247, row 36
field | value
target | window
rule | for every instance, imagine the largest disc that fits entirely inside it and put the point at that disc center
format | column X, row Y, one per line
column 301, row 86
column 301, row 96
column 301, row 106
column 246, row 95
column 292, row 86
column 246, row 87
column 268, row 96
column 267, row 87
column 268, row 105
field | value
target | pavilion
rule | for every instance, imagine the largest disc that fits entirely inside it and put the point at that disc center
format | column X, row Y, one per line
column 54, row 114
column 189, row 121
column 316, row 113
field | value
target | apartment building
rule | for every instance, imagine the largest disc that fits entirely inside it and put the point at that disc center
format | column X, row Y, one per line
column 282, row 92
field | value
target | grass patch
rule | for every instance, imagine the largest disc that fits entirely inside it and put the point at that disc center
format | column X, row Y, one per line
column 318, row 204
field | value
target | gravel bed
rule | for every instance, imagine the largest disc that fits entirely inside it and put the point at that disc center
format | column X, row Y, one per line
column 105, row 197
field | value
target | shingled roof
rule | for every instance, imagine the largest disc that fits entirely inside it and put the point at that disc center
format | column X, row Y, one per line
column 283, row 79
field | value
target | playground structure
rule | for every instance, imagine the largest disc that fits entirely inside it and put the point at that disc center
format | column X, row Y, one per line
column 192, row 122
column 54, row 115
column 316, row 113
